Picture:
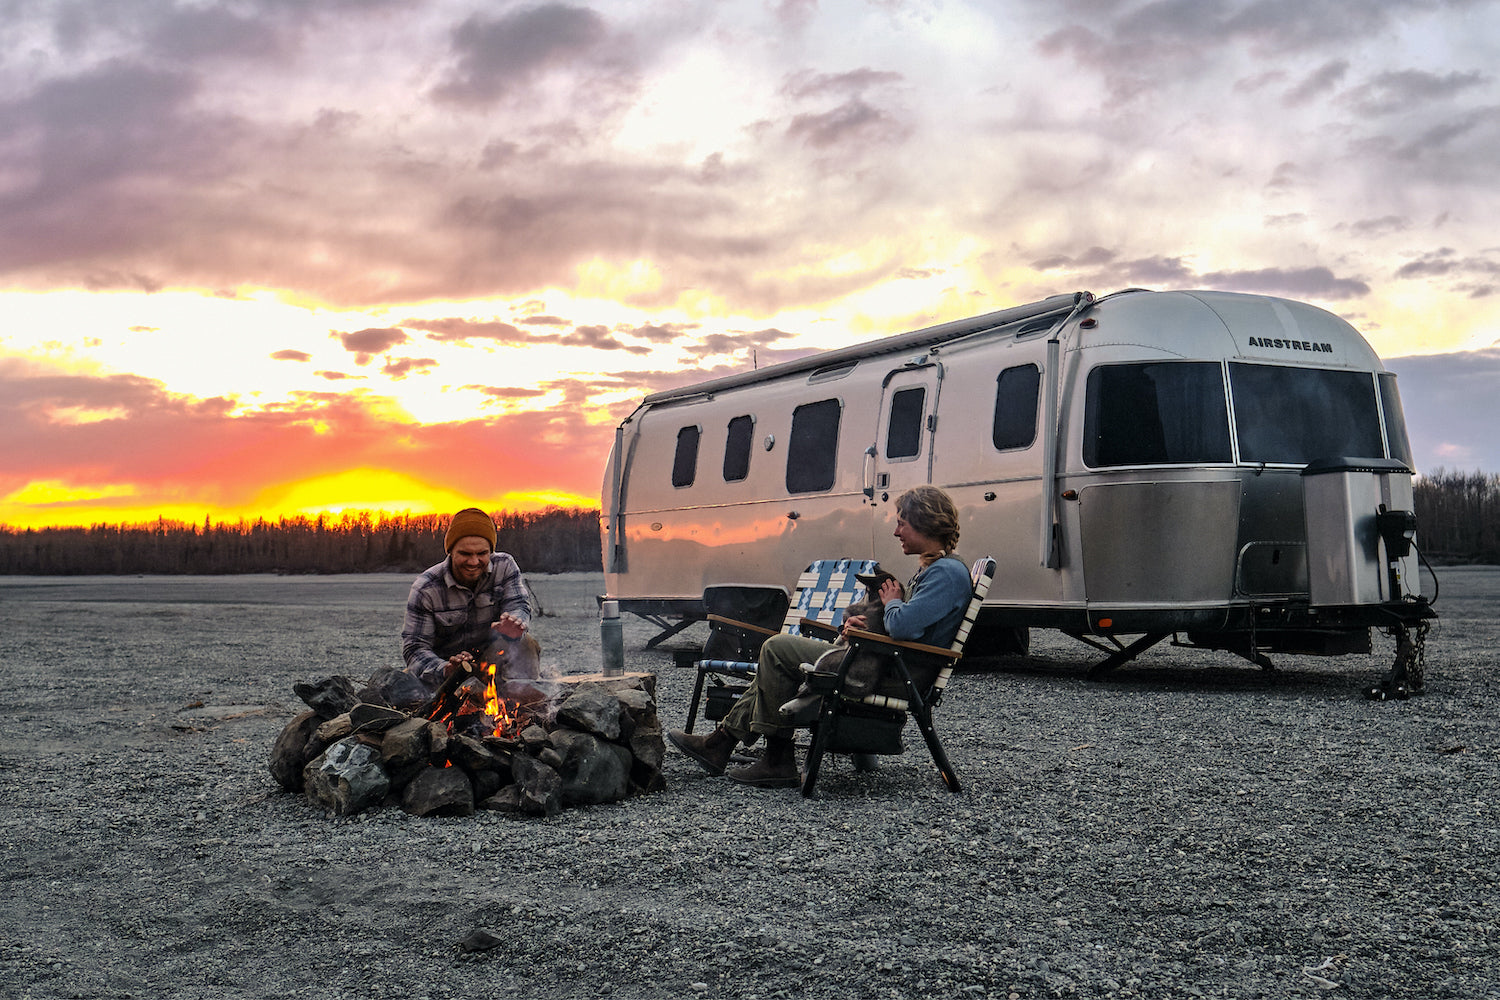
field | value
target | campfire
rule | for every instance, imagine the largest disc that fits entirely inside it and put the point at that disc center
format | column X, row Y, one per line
column 481, row 741
column 470, row 702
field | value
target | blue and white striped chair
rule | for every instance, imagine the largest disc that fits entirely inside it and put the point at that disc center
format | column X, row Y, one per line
column 823, row 591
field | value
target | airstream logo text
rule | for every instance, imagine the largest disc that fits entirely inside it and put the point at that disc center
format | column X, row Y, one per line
column 1292, row 345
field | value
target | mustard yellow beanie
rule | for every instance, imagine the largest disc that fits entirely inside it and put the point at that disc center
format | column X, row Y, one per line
column 469, row 521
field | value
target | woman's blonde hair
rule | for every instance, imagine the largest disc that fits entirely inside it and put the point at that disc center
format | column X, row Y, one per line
column 930, row 511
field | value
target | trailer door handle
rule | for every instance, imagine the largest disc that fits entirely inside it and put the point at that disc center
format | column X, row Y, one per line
column 868, row 473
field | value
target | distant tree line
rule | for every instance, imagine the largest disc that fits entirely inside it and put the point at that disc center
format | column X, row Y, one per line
column 1458, row 521
column 1458, row 517
column 551, row 541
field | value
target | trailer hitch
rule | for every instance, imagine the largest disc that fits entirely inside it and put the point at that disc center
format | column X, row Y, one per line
column 1407, row 675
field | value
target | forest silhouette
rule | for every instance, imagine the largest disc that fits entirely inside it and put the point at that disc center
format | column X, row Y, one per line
column 555, row 540
column 1458, row 521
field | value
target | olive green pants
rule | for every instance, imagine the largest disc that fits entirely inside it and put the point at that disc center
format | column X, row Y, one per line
column 778, row 674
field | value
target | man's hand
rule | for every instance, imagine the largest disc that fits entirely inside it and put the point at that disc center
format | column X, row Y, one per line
column 510, row 626
column 458, row 662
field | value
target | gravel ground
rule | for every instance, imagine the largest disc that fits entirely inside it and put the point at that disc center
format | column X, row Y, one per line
column 1194, row 827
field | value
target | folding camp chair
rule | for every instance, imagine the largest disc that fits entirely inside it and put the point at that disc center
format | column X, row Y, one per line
column 916, row 677
column 823, row 591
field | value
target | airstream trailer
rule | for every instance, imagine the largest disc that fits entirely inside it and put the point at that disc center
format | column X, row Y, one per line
column 1230, row 470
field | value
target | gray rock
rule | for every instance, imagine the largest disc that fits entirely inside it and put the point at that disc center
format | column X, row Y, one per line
column 367, row 718
column 592, row 709
column 593, row 771
column 405, row 744
column 474, row 756
column 487, row 783
column 329, row 697
column 538, row 787
column 346, row 778
column 439, row 791
column 394, row 687
column 289, row 752
column 507, row 799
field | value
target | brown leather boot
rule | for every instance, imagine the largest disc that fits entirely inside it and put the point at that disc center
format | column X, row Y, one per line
column 777, row 767
column 711, row 751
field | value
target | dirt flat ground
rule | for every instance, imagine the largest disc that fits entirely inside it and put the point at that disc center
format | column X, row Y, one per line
column 1192, row 827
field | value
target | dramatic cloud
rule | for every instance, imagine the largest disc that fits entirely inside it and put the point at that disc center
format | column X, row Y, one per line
column 464, row 330
column 399, row 368
column 1389, row 93
column 367, row 343
column 495, row 57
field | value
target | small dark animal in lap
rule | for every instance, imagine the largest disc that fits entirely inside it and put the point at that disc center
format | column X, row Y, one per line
column 868, row 668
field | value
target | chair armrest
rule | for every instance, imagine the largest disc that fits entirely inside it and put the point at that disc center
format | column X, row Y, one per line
column 818, row 630
column 746, row 627
column 856, row 636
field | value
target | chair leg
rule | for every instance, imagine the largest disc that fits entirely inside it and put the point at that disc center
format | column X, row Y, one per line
column 819, row 746
column 693, row 705
column 939, row 755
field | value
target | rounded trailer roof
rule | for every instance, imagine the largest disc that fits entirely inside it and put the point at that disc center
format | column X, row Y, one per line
column 1187, row 324
column 1212, row 325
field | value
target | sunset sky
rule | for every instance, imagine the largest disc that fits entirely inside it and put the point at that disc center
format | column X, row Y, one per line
column 268, row 257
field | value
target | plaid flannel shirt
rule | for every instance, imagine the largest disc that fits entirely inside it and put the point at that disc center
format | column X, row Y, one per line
column 443, row 617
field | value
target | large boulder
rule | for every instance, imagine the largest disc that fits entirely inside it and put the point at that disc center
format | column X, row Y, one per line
column 537, row 788
column 394, row 687
column 593, row 770
column 439, row 791
column 346, row 778
column 329, row 697
column 289, row 752
column 591, row 709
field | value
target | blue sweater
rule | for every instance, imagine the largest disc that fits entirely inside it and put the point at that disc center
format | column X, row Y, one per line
column 934, row 605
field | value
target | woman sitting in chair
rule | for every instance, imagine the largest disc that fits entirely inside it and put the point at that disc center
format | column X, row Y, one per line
column 927, row 525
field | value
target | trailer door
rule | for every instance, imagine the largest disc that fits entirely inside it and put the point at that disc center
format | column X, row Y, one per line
column 901, row 455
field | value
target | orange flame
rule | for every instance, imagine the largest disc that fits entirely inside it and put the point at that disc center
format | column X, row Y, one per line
column 504, row 712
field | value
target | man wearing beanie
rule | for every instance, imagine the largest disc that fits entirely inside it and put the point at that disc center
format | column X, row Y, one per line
column 470, row 601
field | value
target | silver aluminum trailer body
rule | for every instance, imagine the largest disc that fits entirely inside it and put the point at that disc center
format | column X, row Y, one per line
column 1137, row 464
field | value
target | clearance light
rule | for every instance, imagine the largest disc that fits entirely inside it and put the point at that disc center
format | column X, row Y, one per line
column 1106, row 623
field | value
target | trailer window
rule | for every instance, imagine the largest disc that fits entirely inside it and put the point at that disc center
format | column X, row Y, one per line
column 1395, row 421
column 737, row 449
column 812, row 452
column 903, row 432
column 1016, row 392
column 1294, row 415
column 685, row 461
column 1158, row 413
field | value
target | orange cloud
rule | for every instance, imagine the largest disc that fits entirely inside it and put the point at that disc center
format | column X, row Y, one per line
column 146, row 452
